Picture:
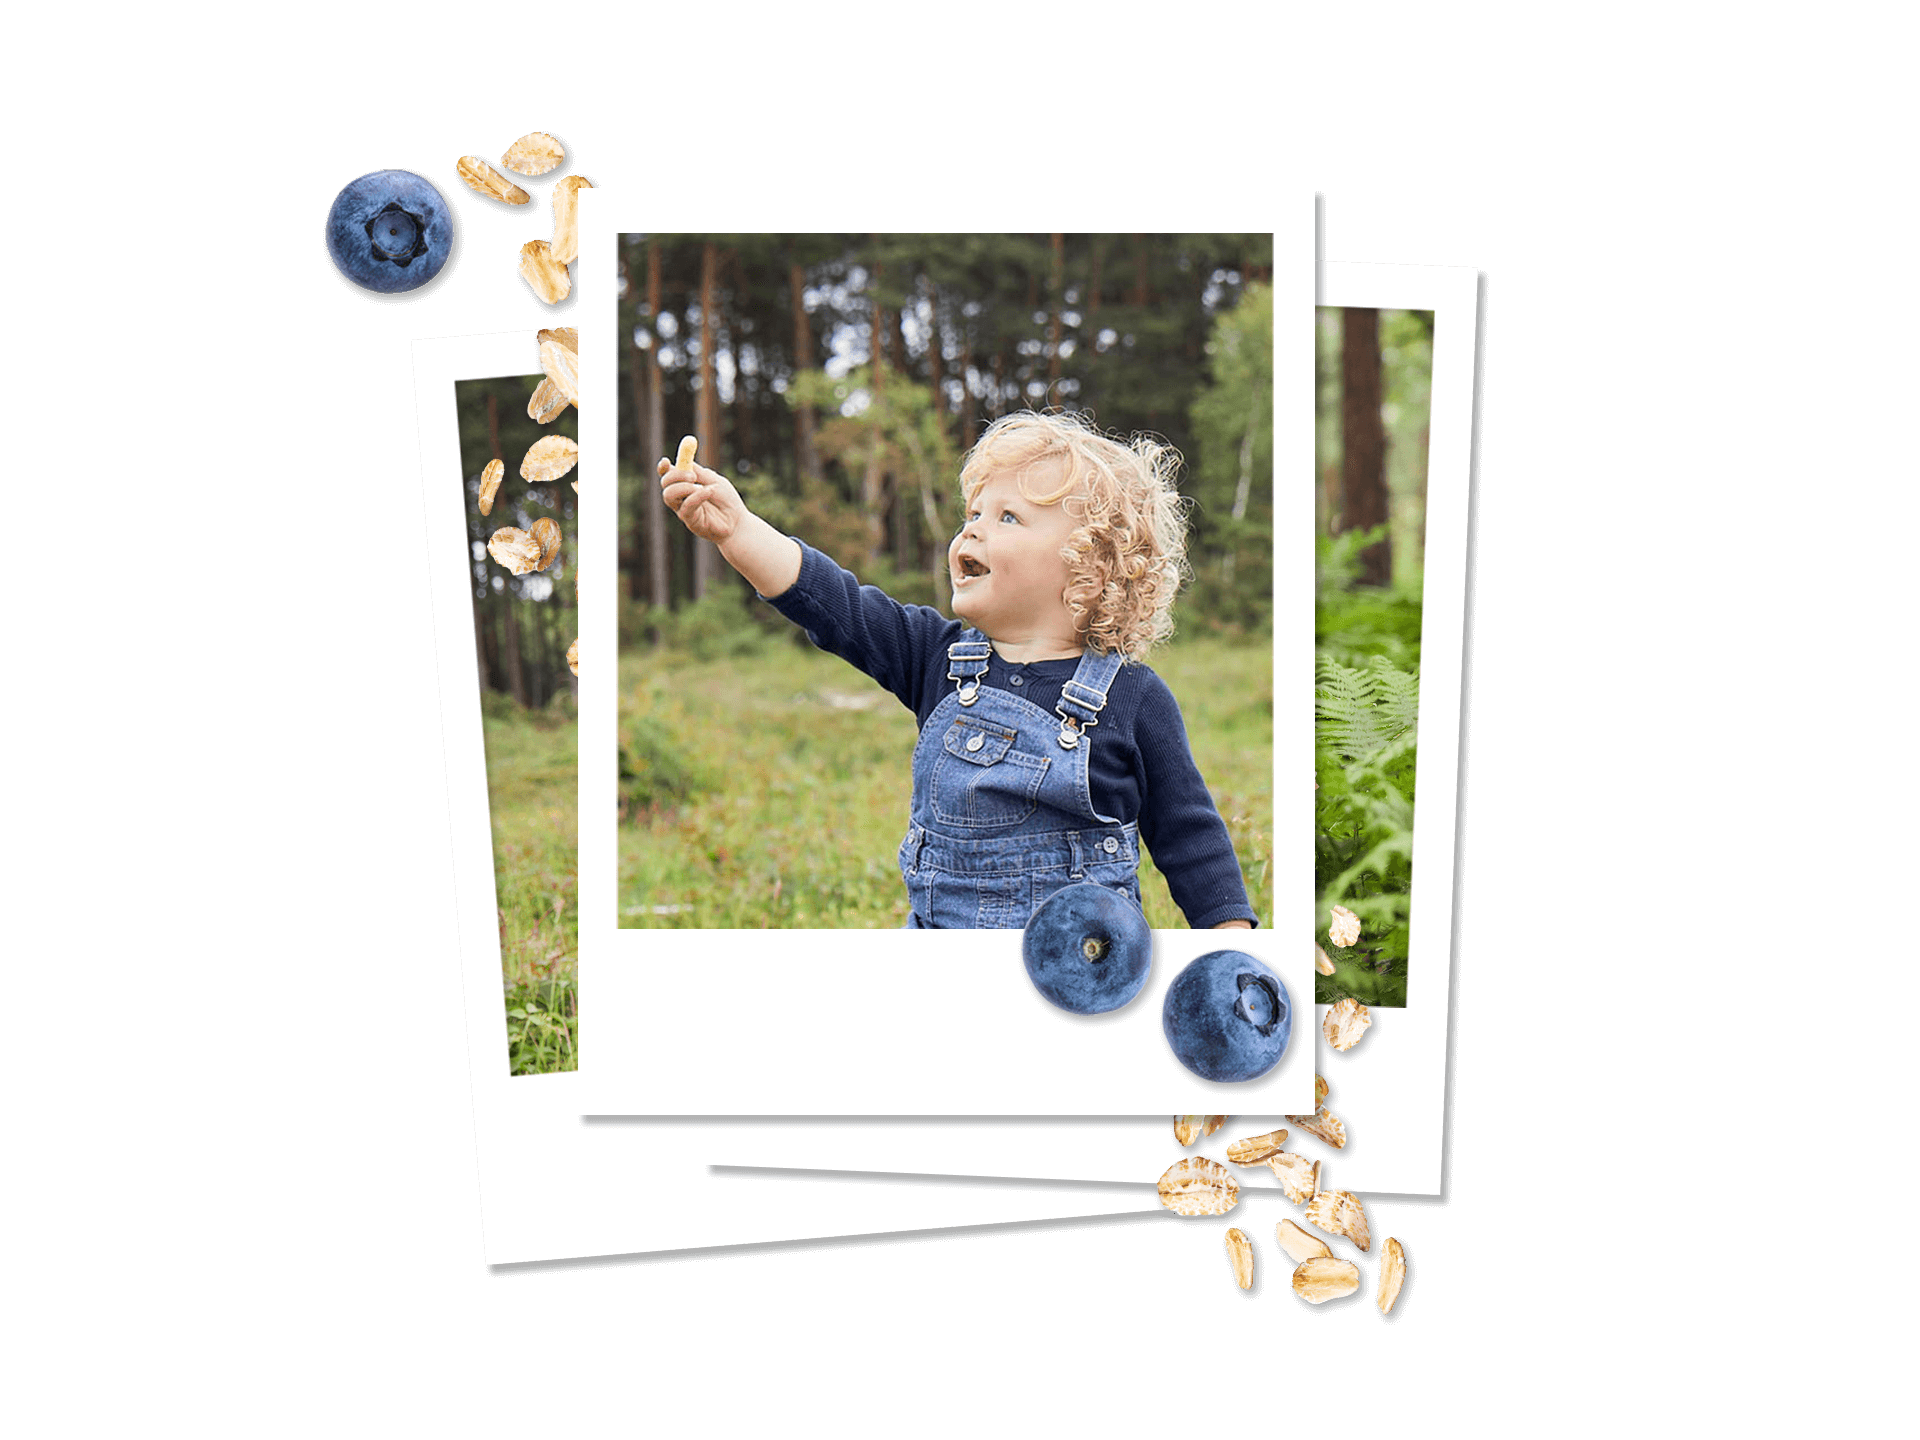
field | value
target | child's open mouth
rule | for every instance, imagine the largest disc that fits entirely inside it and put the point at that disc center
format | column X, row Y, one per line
column 967, row 568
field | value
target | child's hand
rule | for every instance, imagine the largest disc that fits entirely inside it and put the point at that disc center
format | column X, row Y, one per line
column 704, row 499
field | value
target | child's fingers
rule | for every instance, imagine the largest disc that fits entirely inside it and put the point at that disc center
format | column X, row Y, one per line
column 663, row 467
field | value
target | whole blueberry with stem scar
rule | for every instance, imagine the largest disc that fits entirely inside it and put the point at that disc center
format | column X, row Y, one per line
column 1087, row 949
column 389, row 231
column 1227, row 1017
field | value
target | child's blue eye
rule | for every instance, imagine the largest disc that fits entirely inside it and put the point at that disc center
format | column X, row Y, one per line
column 1009, row 515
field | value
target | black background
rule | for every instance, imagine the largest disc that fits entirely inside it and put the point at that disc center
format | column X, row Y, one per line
column 404, row 1210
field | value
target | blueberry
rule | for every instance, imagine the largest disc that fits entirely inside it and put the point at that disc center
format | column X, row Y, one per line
column 1087, row 949
column 1227, row 1017
column 389, row 231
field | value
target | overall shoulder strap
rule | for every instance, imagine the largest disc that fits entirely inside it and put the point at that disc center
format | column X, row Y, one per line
column 1084, row 696
column 967, row 662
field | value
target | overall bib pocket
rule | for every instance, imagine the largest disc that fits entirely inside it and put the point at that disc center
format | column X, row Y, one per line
column 979, row 780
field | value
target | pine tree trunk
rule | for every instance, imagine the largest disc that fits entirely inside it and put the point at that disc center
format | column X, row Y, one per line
column 805, row 455
column 873, row 478
column 516, row 677
column 1363, row 439
column 659, row 565
column 707, row 411
column 1056, row 284
column 966, row 384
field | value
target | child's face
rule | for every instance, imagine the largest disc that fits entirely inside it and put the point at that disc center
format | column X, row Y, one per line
column 1009, row 578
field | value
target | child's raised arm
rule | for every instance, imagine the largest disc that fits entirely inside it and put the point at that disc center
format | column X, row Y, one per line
column 711, row 508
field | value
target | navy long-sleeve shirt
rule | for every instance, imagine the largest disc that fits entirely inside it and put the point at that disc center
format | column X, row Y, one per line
column 1139, row 764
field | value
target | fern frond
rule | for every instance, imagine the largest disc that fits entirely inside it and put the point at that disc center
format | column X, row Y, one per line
column 1359, row 713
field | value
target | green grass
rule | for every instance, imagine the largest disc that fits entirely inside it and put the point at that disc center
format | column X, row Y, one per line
column 771, row 789
column 532, row 763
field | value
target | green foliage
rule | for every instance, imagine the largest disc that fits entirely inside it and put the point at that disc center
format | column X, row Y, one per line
column 532, row 765
column 799, row 774
column 660, row 754
column 1365, row 733
column 1353, row 623
column 1231, row 538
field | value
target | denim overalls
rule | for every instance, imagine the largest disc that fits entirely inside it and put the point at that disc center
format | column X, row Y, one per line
column 1002, row 815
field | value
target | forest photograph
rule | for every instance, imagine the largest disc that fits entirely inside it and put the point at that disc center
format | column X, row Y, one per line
column 838, row 381
column 1373, row 387
column 524, row 624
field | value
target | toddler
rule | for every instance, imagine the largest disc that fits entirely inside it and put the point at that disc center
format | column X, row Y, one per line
column 1047, row 752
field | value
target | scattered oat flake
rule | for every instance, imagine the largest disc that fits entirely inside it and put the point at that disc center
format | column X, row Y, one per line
column 1345, row 928
column 547, row 276
column 1345, row 1023
column 566, row 217
column 566, row 335
column 1339, row 1212
column 547, row 403
column 1240, row 1254
column 1298, row 1244
column 534, row 153
column 1324, row 1278
column 547, row 534
column 563, row 368
column 573, row 657
column 550, row 457
column 1321, row 962
column 485, row 180
column 490, row 484
column 1199, row 1186
column 1319, row 1090
column 1393, row 1274
column 1298, row 1176
column 1323, row 1126
column 1256, row 1148
column 515, row 549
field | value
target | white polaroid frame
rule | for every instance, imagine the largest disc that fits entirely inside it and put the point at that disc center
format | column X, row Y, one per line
column 1390, row 1091
column 552, row 1186
column 837, row 1022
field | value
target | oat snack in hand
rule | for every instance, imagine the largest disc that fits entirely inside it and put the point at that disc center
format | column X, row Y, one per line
column 573, row 657
column 1322, row 1279
column 534, row 153
column 1345, row 1023
column 483, row 179
column 1199, row 1186
column 1393, row 1274
column 490, row 484
column 1240, row 1256
column 546, row 275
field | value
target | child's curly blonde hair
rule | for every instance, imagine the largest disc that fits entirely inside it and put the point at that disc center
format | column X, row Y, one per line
column 1128, row 555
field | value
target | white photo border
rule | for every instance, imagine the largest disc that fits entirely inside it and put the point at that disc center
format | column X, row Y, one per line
column 838, row 1022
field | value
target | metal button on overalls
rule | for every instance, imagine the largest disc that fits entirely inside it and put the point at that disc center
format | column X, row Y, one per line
column 1002, row 810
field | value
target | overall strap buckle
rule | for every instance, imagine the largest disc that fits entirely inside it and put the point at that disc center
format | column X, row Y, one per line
column 1084, row 696
column 966, row 663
